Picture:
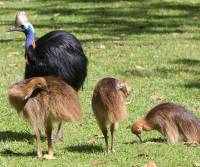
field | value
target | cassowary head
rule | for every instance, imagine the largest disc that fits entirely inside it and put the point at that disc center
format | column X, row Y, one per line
column 22, row 24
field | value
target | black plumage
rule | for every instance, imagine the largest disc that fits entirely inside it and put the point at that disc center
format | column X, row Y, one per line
column 58, row 53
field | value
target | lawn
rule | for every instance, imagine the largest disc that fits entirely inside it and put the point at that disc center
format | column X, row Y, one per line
column 151, row 43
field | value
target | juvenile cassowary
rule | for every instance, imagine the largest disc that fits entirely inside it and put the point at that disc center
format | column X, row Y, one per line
column 43, row 101
column 108, row 104
column 173, row 121
column 57, row 53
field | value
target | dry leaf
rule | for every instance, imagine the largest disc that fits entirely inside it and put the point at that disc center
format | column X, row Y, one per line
column 196, row 164
column 150, row 164
column 157, row 97
column 183, row 74
column 174, row 34
column 196, row 109
column 139, row 67
column 13, row 54
column 117, row 38
column 118, row 42
column 13, row 65
column 98, row 162
column 102, row 46
column 195, row 18
column 56, row 14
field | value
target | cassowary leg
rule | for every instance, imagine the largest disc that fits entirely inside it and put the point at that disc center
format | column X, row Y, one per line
column 38, row 143
column 113, row 129
column 105, row 134
column 59, row 135
column 48, row 131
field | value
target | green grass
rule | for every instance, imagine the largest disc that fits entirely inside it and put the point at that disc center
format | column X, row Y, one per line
column 118, row 37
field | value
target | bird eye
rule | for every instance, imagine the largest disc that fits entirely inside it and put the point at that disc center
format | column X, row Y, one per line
column 22, row 26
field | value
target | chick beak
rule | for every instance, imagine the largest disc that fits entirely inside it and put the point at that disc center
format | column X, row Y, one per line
column 28, row 95
column 46, row 88
column 18, row 28
column 140, row 137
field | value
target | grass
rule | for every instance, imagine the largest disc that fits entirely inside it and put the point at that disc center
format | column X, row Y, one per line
column 153, row 44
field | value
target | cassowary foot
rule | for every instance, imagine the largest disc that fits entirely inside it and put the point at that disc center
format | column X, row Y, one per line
column 48, row 157
column 193, row 143
column 112, row 150
column 39, row 156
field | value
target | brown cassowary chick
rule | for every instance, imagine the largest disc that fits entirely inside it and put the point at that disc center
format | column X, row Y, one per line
column 43, row 100
column 173, row 121
column 108, row 104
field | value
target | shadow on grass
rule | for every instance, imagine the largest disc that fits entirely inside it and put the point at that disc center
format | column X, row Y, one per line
column 194, row 84
column 18, row 136
column 8, row 152
column 150, row 140
column 85, row 148
column 189, row 62
column 111, row 20
column 155, row 140
column 11, row 40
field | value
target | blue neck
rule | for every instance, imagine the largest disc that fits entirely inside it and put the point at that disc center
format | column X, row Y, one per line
column 30, row 37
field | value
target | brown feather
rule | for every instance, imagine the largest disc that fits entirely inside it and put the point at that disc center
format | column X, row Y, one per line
column 108, row 103
column 60, row 102
column 173, row 121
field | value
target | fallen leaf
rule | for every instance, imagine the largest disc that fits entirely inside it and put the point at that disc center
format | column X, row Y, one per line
column 102, row 46
column 174, row 34
column 196, row 164
column 183, row 74
column 150, row 164
column 13, row 65
column 13, row 54
column 118, row 42
column 56, row 14
column 139, row 67
column 195, row 18
column 157, row 97
column 98, row 162
column 116, row 38
column 196, row 109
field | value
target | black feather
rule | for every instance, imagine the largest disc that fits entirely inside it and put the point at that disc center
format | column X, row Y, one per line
column 58, row 53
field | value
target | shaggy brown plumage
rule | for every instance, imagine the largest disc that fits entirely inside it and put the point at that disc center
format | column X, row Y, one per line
column 108, row 103
column 43, row 100
column 173, row 121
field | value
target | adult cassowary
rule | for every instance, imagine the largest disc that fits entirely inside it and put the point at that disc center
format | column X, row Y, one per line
column 57, row 53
